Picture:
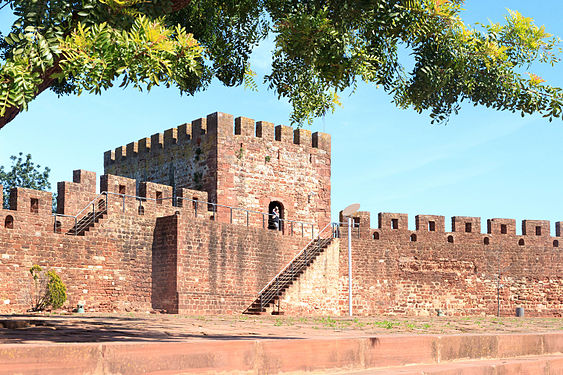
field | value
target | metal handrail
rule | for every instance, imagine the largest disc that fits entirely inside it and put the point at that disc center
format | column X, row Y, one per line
column 178, row 199
column 265, row 297
column 92, row 203
column 264, row 214
column 345, row 226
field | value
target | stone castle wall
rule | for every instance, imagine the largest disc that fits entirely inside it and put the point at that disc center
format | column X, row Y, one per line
column 423, row 271
column 166, row 258
column 161, row 257
column 151, row 252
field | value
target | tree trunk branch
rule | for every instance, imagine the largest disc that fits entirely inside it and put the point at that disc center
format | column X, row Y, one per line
column 12, row 112
column 179, row 4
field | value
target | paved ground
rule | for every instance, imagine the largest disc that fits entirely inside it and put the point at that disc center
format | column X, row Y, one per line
column 131, row 327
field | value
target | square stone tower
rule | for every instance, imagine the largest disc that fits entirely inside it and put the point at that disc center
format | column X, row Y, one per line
column 239, row 163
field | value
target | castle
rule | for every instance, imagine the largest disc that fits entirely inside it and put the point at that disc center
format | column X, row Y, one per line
column 184, row 221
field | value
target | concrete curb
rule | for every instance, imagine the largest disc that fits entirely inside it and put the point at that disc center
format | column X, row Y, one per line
column 268, row 356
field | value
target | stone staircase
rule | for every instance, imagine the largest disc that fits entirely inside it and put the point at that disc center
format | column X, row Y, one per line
column 88, row 221
column 275, row 289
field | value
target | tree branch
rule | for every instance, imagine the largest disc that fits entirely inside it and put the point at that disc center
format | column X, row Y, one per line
column 12, row 112
column 179, row 4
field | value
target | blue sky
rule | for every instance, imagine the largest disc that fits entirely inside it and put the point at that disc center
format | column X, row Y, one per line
column 482, row 163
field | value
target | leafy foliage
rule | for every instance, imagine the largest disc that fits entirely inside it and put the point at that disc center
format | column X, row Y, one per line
column 24, row 173
column 322, row 48
column 48, row 289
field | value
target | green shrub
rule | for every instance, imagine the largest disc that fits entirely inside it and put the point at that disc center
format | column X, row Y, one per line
column 49, row 290
column 56, row 290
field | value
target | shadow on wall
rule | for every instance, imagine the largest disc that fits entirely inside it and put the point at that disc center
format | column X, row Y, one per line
column 164, row 288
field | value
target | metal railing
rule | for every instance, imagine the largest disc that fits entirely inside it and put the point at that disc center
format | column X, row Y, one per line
column 355, row 228
column 295, row 266
column 81, row 221
column 265, row 216
column 86, row 220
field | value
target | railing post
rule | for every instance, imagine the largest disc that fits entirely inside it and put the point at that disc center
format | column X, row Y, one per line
column 247, row 218
column 107, row 201
column 292, row 228
column 123, row 203
column 263, row 221
column 195, row 208
column 231, row 215
column 214, row 211
column 75, row 226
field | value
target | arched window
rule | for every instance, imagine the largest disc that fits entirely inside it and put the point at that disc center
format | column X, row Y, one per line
column 486, row 240
column 275, row 219
column 413, row 237
column 141, row 210
column 9, row 222
column 521, row 242
column 375, row 235
column 451, row 239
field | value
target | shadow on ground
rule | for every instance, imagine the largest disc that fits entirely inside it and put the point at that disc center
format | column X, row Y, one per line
column 32, row 329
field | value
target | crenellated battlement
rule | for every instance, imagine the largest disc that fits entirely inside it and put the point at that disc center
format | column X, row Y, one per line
column 464, row 229
column 217, row 124
column 31, row 209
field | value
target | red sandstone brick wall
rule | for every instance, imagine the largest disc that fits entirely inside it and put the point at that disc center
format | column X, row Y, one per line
column 222, row 267
column 163, row 257
column 108, row 268
column 165, row 265
column 261, row 163
column 418, row 272
column 130, row 259
column 74, row 196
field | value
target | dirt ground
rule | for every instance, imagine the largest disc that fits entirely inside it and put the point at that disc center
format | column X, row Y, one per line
column 51, row 328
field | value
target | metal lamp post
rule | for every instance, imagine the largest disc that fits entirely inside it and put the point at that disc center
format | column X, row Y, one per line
column 348, row 211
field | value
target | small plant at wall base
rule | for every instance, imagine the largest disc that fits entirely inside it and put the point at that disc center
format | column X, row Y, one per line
column 267, row 158
column 48, row 289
